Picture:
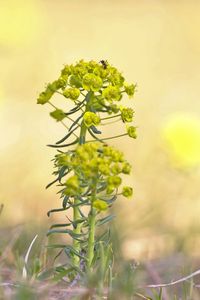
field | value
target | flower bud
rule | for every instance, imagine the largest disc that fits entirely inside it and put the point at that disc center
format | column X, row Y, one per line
column 45, row 96
column 91, row 118
column 92, row 82
column 130, row 89
column 127, row 191
column 75, row 81
column 66, row 70
column 112, row 93
column 72, row 186
column 127, row 114
column 100, row 205
column 72, row 93
column 126, row 168
column 63, row 159
column 114, row 181
column 115, row 169
column 132, row 132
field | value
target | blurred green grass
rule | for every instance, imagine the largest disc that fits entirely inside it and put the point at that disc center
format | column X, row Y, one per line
column 130, row 279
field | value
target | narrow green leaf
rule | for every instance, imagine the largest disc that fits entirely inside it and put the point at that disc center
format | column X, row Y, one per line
column 71, row 249
column 76, row 121
column 60, row 225
column 68, row 231
column 95, row 130
column 56, row 210
column 66, row 136
column 65, row 201
column 66, row 145
column 55, row 246
column 61, row 174
column 105, row 220
column 63, row 273
column 46, row 274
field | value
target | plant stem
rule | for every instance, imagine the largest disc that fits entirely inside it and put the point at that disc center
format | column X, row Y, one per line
column 109, row 138
column 106, row 118
column 76, row 212
column 91, row 238
column 77, row 230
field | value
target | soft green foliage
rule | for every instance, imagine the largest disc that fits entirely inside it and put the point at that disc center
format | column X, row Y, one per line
column 89, row 172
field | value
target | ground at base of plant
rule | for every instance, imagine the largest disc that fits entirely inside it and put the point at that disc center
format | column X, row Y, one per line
column 130, row 278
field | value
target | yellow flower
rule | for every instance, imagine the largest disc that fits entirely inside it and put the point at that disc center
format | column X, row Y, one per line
column 72, row 93
column 126, row 168
column 130, row 89
column 182, row 139
column 112, row 93
column 72, row 186
column 127, row 114
column 132, row 132
column 91, row 118
column 127, row 191
column 100, row 205
column 92, row 82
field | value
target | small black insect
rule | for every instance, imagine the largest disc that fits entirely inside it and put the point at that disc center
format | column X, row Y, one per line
column 104, row 63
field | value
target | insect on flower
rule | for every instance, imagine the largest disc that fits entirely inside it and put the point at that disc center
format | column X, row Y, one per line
column 104, row 63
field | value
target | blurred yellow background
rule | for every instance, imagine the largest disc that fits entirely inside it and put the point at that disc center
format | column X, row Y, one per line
column 157, row 45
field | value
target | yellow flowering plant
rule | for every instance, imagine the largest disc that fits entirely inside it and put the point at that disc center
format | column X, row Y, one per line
column 88, row 170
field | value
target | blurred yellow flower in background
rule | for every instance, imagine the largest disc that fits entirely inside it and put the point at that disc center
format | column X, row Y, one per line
column 181, row 134
column 1, row 96
column 19, row 22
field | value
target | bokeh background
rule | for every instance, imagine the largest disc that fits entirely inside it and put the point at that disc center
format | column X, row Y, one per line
column 156, row 43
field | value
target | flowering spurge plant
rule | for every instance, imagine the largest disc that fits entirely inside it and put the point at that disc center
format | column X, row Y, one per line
column 88, row 170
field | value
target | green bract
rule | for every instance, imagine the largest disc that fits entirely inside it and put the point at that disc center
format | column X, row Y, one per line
column 88, row 171
column 58, row 114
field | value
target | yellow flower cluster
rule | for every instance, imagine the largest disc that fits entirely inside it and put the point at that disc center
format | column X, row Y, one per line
column 92, row 76
column 131, row 130
column 71, row 93
column 91, row 118
column 100, row 204
column 127, row 114
column 92, row 161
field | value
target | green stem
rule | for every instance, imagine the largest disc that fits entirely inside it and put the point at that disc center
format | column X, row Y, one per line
column 114, row 137
column 77, row 230
column 106, row 118
column 110, row 138
column 107, row 123
column 82, row 133
column 76, row 212
column 91, row 238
